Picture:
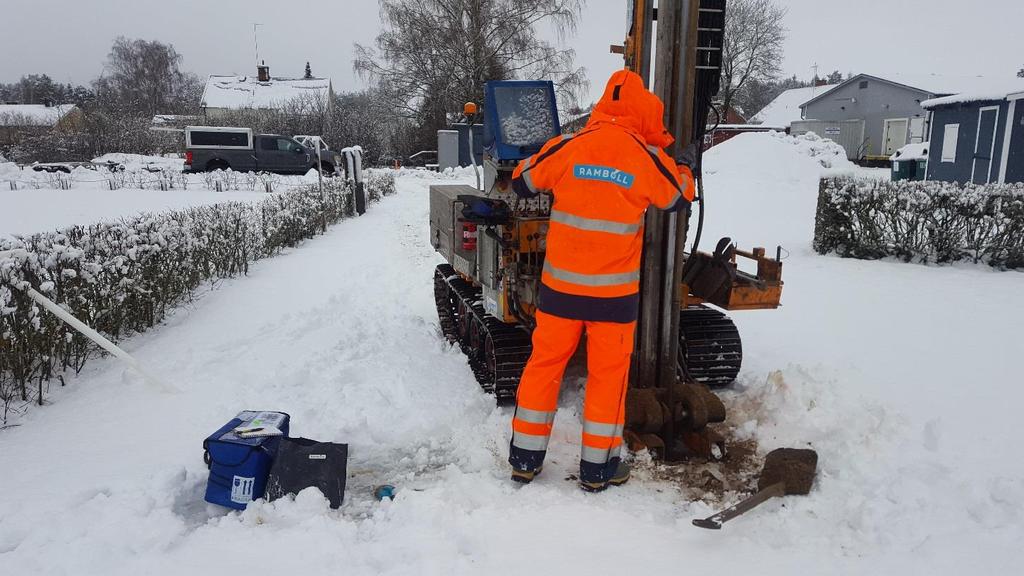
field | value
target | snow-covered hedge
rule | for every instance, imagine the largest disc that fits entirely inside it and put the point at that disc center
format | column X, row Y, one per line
column 122, row 278
column 921, row 221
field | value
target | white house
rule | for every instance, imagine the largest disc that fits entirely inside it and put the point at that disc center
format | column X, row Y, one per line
column 264, row 92
column 19, row 119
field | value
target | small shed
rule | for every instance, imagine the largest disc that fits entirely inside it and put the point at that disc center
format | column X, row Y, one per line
column 978, row 136
column 19, row 120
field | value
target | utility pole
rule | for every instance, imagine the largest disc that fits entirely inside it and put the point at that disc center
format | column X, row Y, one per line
column 256, row 41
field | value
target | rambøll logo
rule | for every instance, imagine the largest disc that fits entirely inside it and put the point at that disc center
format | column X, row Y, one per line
column 604, row 174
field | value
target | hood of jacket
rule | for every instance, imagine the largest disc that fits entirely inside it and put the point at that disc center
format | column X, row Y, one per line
column 627, row 102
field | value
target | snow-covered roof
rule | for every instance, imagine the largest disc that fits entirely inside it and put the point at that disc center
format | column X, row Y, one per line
column 745, row 127
column 161, row 119
column 935, row 84
column 912, row 152
column 938, row 84
column 785, row 109
column 33, row 114
column 241, row 92
column 1003, row 89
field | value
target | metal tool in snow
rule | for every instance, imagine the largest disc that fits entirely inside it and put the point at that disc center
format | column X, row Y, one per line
column 91, row 334
column 786, row 472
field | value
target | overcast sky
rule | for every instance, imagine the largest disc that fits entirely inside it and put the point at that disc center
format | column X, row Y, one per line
column 69, row 39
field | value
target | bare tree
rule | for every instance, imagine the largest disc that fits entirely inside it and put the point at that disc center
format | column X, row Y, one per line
column 145, row 78
column 435, row 55
column 753, row 48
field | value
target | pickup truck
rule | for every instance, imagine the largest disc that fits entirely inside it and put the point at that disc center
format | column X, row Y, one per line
column 219, row 148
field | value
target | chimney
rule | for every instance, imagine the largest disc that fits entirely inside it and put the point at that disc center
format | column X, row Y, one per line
column 263, row 72
column 819, row 82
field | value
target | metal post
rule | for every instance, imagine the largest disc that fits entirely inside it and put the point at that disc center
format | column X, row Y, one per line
column 472, row 153
column 357, row 168
column 665, row 234
column 323, row 199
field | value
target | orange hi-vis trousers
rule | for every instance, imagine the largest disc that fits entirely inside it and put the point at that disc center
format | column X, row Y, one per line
column 555, row 339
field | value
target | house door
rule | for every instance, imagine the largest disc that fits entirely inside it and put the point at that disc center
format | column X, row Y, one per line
column 988, row 120
column 916, row 130
column 894, row 136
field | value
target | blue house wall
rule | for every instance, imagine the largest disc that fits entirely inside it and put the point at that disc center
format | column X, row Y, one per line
column 1015, row 161
column 967, row 116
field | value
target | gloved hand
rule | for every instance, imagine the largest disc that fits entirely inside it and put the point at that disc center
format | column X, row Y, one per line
column 484, row 210
column 481, row 208
column 688, row 157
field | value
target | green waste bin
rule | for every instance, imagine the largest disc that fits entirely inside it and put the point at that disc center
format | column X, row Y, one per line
column 903, row 170
column 922, row 169
column 910, row 163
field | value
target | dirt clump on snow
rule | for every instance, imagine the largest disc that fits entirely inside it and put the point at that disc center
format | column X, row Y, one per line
column 795, row 468
column 712, row 481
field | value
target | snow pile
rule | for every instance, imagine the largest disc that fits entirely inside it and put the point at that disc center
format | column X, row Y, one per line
column 826, row 152
column 785, row 109
column 9, row 170
column 461, row 174
column 136, row 162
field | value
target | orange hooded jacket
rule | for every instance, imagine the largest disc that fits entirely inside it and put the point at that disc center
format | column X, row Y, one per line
column 603, row 180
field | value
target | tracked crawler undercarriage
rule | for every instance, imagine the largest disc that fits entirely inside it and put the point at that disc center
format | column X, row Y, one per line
column 710, row 349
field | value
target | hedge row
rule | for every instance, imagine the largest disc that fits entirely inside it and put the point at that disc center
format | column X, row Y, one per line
column 122, row 278
column 921, row 221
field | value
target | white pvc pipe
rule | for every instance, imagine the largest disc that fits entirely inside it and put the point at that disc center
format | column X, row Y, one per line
column 357, row 160
column 98, row 339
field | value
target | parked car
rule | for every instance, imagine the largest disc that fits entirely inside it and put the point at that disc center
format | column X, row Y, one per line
column 210, row 148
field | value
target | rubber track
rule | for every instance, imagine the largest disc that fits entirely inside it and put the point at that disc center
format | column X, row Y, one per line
column 710, row 348
column 497, row 352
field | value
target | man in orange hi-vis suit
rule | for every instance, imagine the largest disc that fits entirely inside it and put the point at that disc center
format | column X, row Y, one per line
column 603, row 180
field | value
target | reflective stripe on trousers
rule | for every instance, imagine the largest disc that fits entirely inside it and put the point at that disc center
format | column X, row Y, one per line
column 609, row 346
column 531, row 442
column 601, row 442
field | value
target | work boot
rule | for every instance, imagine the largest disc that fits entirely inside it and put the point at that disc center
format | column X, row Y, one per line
column 621, row 476
column 525, row 476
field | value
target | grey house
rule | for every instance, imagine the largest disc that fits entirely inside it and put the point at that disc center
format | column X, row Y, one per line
column 978, row 136
column 887, row 109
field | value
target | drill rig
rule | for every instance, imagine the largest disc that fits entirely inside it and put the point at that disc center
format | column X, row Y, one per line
column 486, row 294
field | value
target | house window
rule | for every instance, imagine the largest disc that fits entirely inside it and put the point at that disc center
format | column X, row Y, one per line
column 863, row 84
column 949, row 142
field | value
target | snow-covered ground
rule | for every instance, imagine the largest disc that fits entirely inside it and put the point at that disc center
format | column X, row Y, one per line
column 38, row 206
column 901, row 376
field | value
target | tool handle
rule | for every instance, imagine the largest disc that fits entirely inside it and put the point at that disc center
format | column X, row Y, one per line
column 98, row 339
column 715, row 522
